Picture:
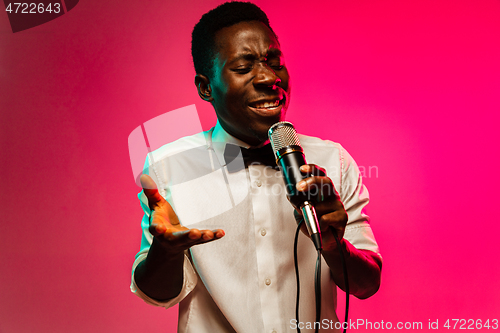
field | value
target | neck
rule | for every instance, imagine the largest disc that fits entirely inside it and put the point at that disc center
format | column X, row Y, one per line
column 262, row 144
column 253, row 141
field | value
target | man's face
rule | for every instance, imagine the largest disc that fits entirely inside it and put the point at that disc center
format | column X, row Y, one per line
column 250, row 85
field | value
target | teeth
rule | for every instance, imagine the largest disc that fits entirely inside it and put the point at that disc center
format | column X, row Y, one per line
column 267, row 104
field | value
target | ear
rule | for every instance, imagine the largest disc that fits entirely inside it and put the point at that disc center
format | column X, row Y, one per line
column 203, row 85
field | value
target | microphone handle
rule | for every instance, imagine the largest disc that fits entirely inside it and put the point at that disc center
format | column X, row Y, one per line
column 311, row 220
column 290, row 164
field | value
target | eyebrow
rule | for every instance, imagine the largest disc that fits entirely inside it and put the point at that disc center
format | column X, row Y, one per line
column 251, row 56
column 274, row 53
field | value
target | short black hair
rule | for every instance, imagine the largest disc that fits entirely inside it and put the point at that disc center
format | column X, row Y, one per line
column 203, row 47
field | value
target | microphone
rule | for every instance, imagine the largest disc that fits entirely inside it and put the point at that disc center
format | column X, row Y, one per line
column 290, row 157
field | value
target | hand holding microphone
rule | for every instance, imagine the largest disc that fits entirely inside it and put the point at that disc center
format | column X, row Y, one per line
column 308, row 188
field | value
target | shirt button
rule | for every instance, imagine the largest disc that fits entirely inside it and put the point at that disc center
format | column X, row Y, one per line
column 263, row 232
column 268, row 282
column 274, row 331
column 258, row 183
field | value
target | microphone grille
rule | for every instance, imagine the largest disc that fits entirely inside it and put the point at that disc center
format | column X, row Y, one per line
column 282, row 135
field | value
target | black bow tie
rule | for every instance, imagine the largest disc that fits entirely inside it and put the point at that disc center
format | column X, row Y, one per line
column 263, row 155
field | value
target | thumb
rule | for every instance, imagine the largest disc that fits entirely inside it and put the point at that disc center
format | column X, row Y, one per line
column 151, row 191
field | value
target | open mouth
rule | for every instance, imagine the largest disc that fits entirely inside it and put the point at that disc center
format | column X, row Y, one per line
column 269, row 107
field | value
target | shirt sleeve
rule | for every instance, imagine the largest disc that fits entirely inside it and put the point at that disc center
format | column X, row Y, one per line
column 355, row 197
column 189, row 274
column 190, row 280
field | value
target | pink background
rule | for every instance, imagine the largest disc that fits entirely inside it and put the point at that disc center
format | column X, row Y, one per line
column 410, row 88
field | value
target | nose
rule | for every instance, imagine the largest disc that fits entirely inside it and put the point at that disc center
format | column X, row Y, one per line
column 266, row 76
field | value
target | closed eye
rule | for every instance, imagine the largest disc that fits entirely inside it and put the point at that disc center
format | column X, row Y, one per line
column 242, row 70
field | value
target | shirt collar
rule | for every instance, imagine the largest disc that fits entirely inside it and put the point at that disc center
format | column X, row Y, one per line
column 220, row 138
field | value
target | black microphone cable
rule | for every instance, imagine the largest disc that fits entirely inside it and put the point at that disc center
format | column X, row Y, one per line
column 317, row 291
column 297, row 272
column 317, row 280
column 346, row 278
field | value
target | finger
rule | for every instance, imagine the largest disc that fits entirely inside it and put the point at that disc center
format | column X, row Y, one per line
column 184, row 239
column 336, row 219
column 151, row 191
column 174, row 237
column 313, row 170
column 219, row 233
column 157, row 229
column 163, row 219
column 158, row 204
column 328, row 206
column 207, row 236
column 334, row 223
column 187, row 235
column 322, row 187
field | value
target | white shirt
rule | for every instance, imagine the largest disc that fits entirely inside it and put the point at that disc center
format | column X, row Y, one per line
column 245, row 282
